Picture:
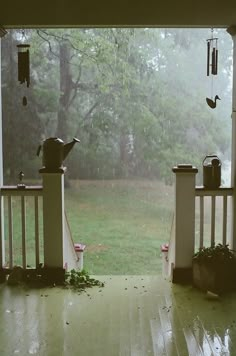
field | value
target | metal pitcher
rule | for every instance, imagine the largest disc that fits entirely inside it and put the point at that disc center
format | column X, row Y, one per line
column 55, row 152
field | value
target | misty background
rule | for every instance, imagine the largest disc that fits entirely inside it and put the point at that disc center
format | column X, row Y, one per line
column 136, row 99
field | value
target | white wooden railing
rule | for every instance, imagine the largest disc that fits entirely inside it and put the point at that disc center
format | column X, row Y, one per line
column 202, row 219
column 222, row 207
column 10, row 195
column 44, row 244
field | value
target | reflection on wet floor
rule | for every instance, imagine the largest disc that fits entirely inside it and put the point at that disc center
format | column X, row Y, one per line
column 131, row 315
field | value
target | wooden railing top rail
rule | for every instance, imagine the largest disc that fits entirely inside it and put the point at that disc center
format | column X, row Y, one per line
column 13, row 190
column 224, row 191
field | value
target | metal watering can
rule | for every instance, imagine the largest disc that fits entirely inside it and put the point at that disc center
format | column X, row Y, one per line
column 55, row 152
column 211, row 172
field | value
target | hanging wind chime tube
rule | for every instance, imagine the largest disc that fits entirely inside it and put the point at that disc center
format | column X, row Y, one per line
column 208, row 57
column 212, row 56
column 24, row 67
column 212, row 66
column 23, row 64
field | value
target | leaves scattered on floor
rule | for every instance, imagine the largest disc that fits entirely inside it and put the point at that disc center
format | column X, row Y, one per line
column 80, row 280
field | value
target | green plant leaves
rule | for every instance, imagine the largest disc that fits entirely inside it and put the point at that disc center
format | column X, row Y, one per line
column 81, row 280
column 215, row 254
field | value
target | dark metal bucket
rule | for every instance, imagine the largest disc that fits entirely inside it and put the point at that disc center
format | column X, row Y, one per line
column 211, row 172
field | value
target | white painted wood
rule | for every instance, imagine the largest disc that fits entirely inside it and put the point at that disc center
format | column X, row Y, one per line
column 171, row 250
column 81, row 260
column 36, row 225
column 53, row 219
column 28, row 191
column 2, row 239
column 202, row 192
column 36, row 192
column 233, row 182
column 221, row 192
column 213, row 218
column 232, row 31
column 71, row 259
column 224, row 222
column 184, row 216
column 23, row 229
column 10, row 231
column 1, row 153
column 201, row 221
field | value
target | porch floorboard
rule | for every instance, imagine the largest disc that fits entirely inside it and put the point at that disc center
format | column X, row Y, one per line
column 130, row 316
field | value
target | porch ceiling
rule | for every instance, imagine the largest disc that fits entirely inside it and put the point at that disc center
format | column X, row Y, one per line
column 71, row 13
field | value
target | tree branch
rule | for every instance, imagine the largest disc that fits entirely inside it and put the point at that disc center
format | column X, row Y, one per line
column 87, row 115
column 48, row 42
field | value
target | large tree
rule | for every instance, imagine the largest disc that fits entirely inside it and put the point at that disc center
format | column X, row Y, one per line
column 135, row 98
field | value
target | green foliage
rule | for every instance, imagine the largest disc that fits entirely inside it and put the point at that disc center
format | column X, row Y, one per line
column 134, row 97
column 80, row 280
column 219, row 254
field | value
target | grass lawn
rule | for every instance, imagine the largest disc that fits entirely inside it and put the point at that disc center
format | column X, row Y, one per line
column 122, row 222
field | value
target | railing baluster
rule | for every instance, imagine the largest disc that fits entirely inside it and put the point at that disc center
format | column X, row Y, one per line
column 10, row 232
column 36, row 219
column 224, row 219
column 2, row 239
column 201, row 221
column 23, row 226
column 213, row 215
column 13, row 191
column 213, row 193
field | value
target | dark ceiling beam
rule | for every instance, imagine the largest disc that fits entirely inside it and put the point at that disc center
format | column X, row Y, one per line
column 78, row 13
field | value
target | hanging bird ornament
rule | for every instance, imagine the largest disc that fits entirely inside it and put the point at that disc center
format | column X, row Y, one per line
column 212, row 103
column 212, row 66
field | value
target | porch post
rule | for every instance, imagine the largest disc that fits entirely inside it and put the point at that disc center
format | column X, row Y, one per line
column 1, row 154
column 232, row 31
column 53, row 224
column 184, row 222
column 2, row 241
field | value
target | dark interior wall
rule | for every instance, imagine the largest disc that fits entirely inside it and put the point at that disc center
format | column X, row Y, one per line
column 176, row 13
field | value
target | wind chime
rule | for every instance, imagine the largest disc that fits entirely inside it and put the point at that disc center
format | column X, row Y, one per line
column 23, row 66
column 212, row 66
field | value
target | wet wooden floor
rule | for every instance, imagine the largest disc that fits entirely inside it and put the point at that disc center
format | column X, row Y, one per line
column 130, row 316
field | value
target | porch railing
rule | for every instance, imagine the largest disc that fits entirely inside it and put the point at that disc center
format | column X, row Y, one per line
column 17, row 204
column 202, row 219
column 213, row 207
column 34, row 231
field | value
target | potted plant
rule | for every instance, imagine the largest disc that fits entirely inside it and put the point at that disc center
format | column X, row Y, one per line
column 214, row 269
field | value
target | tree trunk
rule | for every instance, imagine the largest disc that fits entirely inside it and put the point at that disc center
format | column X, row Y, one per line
column 124, row 164
column 8, row 129
column 66, row 87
